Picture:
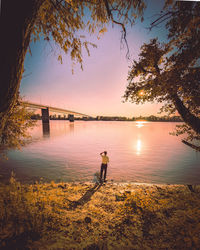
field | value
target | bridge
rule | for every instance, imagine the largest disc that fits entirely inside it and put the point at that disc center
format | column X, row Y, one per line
column 45, row 109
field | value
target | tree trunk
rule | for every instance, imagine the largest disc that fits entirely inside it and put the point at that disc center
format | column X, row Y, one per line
column 188, row 117
column 16, row 25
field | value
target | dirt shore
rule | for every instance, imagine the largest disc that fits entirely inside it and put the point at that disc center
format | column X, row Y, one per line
column 99, row 216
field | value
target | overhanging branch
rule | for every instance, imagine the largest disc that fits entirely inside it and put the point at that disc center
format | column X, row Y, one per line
column 192, row 120
column 110, row 15
column 162, row 18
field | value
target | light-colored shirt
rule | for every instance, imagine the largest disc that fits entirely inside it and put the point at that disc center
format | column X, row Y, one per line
column 105, row 159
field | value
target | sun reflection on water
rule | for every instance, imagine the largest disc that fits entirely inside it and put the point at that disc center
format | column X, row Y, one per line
column 140, row 124
column 138, row 147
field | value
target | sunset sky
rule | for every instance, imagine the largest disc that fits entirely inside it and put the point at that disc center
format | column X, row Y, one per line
column 98, row 89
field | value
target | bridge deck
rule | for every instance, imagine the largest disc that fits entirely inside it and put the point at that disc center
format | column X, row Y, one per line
column 53, row 109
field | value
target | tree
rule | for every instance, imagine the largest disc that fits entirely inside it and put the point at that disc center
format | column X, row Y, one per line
column 169, row 72
column 61, row 20
column 16, row 25
column 15, row 130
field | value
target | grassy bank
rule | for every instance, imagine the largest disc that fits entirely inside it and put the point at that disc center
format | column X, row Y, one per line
column 111, row 216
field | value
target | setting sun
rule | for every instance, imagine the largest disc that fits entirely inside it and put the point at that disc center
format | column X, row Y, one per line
column 141, row 92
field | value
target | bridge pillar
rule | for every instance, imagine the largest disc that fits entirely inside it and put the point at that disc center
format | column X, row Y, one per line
column 46, row 129
column 71, row 118
column 45, row 115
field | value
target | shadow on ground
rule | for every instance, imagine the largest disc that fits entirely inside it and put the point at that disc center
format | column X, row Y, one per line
column 85, row 198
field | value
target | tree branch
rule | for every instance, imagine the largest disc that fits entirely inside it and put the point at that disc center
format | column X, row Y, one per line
column 162, row 18
column 110, row 15
column 188, row 117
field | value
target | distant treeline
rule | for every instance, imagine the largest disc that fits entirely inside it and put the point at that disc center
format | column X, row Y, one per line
column 146, row 118
column 115, row 118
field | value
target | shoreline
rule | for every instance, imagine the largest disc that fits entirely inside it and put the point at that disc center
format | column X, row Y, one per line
column 26, row 180
column 41, row 180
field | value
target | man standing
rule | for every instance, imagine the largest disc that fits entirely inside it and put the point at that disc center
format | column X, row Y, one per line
column 104, row 165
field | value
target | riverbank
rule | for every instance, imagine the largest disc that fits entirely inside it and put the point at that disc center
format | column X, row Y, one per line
column 109, row 216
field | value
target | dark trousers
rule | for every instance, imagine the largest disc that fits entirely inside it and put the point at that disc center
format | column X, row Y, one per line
column 103, row 169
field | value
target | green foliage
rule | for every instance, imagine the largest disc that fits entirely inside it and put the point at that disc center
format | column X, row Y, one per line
column 65, row 20
column 144, row 76
column 169, row 72
column 14, row 132
column 27, row 212
column 187, row 132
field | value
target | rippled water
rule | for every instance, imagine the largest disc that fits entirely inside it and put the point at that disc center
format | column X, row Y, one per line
column 138, row 152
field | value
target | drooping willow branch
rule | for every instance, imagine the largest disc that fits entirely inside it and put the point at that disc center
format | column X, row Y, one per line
column 110, row 15
column 62, row 7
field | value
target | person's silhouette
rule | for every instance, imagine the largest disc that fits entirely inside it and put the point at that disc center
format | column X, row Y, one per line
column 104, row 165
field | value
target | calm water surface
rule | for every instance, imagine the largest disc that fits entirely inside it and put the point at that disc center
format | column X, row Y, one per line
column 138, row 152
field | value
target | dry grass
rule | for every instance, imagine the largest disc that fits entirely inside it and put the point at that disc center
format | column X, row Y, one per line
column 111, row 216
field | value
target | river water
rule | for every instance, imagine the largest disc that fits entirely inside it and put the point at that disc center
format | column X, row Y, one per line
column 138, row 151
